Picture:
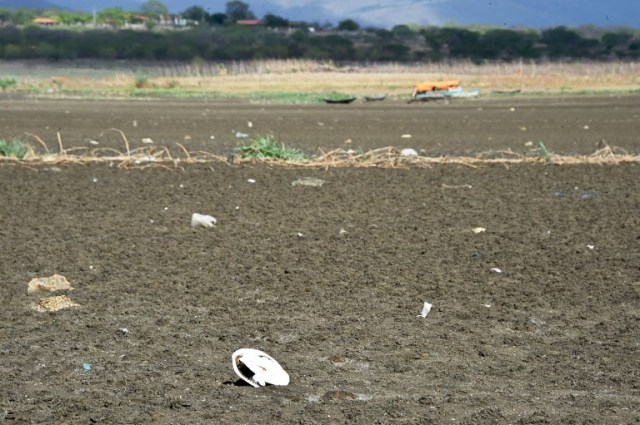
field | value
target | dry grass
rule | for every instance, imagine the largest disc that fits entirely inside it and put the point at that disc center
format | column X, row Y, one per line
column 388, row 157
column 295, row 76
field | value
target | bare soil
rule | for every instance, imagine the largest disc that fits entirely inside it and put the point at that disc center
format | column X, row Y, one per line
column 567, row 125
column 328, row 280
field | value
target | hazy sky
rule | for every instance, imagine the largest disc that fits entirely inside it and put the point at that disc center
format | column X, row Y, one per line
column 498, row 12
column 386, row 13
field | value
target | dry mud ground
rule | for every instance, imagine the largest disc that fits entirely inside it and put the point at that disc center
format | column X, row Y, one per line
column 567, row 125
column 329, row 281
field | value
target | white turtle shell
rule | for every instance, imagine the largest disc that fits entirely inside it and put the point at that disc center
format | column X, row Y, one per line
column 257, row 368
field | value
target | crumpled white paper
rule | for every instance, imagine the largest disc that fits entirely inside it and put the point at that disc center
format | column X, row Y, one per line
column 425, row 310
column 408, row 152
column 202, row 220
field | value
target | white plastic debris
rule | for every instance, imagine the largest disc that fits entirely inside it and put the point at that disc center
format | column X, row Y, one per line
column 49, row 284
column 257, row 368
column 495, row 269
column 202, row 220
column 425, row 310
column 477, row 230
column 147, row 140
column 591, row 246
column 408, row 152
column 251, row 181
column 241, row 135
column 405, row 136
column 146, row 158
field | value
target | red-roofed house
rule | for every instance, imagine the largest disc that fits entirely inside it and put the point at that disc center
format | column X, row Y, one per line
column 45, row 21
column 249, row 22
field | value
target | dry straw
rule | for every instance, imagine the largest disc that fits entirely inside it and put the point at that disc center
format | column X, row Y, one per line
column 388, row 157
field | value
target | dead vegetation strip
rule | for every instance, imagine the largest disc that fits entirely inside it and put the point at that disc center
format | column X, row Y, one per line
column 388, row 157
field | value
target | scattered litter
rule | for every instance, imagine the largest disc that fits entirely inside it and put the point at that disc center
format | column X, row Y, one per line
column 257, row 368
column 529, row 144
column 135, row 123
column 408, row 152
column 342, row 231
column 591, row 247
column 458, row 186
column 49, row 284
column 251, row 181
column 54, row 303
column 94, row 179
column 348, row 141
column 202, row 220
column 147, row 140
column 523, row 128
column 425, row 310
column 488, row 305
column 146, row 158
column 241, row 135
column 86, row 367
column 212, row 137
column 250, row 124
column 497, row 270
column 93, row 142
column 300, row 235
column 512, row 109
column 406, row 136
column 586, row 127
column 308, row 181
column 123, row 331
column 187, row 137
column 477, row 230
column 589, row 195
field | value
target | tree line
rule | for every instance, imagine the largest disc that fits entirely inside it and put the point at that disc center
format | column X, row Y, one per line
column 217, row 37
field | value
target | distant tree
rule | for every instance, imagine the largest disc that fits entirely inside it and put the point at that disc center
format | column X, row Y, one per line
column 275, row 21
column 196, row 13
column 24, row 16
column 507, row 44
column 114, row 16
column 348, row 25
column 402, row 31
column 154, row 8
column 71, row 18
column 237, row 10
column 612, row 40
column 217, row 19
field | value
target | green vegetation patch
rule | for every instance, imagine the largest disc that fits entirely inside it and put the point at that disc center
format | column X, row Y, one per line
column 6, row 83
column 267, row 147
column 287, row 97
column 14, row 149
column 337, row 96
column 173, row 92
